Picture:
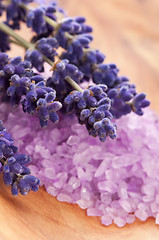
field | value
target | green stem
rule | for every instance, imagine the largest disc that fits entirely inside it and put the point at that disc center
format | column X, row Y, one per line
column 23, row 43
column 18, row 38
column 51, row 22
column 73, row 84
column 15, row 42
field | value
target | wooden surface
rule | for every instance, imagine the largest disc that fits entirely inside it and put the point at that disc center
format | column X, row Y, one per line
column 127, row 32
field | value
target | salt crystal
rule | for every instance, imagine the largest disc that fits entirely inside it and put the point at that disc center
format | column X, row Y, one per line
column 119, row 222
column 68, row 188
column 106, row 220
column 148, row 189
column 84, row 174
column 102, row 208
column 37, row 148
column 112, row 212
column 84, row 203
column 29, row 149
column 106, row 198
column 34, row 169
column 85, row 194
column 101, row 169
column 130, row 218
column 143, row 206
column 148, row 198
column 137, row 143
column 154, row 207
column 117, row 162
column 80, row 172
column 73, row 140
column 74, row 182
column 157, row 198
column 122, row 192
column 19, row 143
column 55, row 134
column 108, row 174
column 23, row 132
column 157, row 219
column 125, row 205
column 50, row 173
column 52, row 190
column 107, row 186
column 93, row 212
column 64, row 197
column 82, row 146
column 141, row 214
column 60, row 180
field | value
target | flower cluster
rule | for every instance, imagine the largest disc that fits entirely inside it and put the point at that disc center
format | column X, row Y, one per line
column 125, row 99
column 46, row 47
column 63, row 69
column 35, row 19
column 23, row 86
column 16, row 13
column 13, row 165
column 92, row 108
column 41, row 98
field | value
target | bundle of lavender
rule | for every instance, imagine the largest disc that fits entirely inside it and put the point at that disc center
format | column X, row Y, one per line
column 115, row 179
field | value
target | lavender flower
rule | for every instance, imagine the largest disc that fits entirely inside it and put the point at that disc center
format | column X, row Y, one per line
column 41, row 98
column 92, row 108
column 125, row 99
column 16, row 13
column 63, row 69
column 48, row 46
column 36, row 21
column 105, row 74
column 35, row 58
column 24, row 87
column 4, row 42
column 13, row 165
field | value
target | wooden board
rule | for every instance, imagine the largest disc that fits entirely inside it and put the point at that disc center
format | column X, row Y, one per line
column 127, row 32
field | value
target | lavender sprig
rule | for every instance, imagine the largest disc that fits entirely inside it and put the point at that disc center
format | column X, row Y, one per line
column 13, row 165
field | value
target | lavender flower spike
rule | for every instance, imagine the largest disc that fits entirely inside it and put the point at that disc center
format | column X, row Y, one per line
column 92, row 109
column 13, row 165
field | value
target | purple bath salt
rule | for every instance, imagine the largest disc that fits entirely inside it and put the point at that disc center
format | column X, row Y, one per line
column 117, row 180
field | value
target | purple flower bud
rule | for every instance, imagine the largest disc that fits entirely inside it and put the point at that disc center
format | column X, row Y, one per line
column 6, row 169
column 7, row 178
column 54, row 117
column 50, row 96
column 14, row 189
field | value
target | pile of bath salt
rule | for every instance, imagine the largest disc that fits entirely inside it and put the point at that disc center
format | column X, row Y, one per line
column 117, row 180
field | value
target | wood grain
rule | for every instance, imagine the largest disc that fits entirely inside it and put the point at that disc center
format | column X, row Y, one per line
column 127, row 31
